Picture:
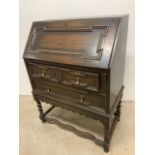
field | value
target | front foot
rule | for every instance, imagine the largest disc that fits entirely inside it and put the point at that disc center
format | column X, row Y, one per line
column 42, row 118
column 118, row 112
column 106, row 147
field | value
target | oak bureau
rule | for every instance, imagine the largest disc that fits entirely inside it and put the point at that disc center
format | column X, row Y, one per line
column 78, row 65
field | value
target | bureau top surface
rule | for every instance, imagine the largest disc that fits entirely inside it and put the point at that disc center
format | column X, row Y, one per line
column 81, row 42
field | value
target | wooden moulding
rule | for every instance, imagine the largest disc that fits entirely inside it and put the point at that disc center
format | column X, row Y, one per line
column 105, row 143
column 99, row 48
column 108, row 132
column 71, row 128
column 78, row 65
column 80, row 133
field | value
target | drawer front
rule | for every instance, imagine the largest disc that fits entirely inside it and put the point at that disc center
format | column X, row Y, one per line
column 74, row 78
column 45, row 72
column 80, row 79
column 77, row 97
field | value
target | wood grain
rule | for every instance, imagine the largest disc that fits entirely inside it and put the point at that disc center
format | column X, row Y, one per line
column 79, row 65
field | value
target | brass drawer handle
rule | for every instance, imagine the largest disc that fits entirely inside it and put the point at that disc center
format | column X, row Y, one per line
column 83, row 102
column 48, row 90
column 43, row 74
column 82, row 99
column 78, row 81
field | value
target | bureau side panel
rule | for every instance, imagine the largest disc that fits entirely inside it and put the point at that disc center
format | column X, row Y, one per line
column 117, row 62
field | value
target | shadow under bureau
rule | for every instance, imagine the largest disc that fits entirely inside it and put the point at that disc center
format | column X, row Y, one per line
column 78, row 65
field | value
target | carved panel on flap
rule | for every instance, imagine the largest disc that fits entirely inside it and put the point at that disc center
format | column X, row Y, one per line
column 85, row 42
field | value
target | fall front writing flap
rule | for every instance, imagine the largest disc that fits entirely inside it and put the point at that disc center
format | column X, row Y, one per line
column 85, row 41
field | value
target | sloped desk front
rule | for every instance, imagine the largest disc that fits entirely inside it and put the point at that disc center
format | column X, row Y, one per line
column 79, row 65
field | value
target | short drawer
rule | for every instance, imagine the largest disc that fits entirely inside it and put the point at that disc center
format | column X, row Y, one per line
column 68, row 94
column 65, row 76
column 44, row 72
column 80, row 79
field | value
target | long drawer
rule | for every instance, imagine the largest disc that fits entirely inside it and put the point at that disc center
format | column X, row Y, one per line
column 65, row 76
column 57, row 91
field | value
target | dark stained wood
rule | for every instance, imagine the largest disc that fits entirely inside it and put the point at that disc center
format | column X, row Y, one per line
column 75, row 130
column 81, row 79
column 80, row 97
column 79, row 65
column 98, row 41
column 117, row 62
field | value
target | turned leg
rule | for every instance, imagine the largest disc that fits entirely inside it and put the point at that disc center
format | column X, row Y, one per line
column 40, row 109
column 107, row 136
column 106, row 140
column 118, row 112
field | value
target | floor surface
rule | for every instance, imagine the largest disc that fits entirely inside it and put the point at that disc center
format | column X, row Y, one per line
column 38, row 138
